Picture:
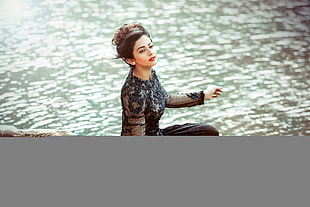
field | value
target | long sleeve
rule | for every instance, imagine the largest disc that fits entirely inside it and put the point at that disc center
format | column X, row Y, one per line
column 133, row 114
column 144, row 102
column 183, row 100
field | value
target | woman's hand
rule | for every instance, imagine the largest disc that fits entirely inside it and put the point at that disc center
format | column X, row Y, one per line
column 212, row 91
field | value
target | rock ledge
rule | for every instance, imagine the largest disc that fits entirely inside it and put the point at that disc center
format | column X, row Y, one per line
column 11, row 131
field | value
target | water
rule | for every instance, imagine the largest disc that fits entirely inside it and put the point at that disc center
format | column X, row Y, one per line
column 52, row 74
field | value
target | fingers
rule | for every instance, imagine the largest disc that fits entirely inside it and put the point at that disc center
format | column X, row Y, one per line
column 218, row 91
column 216, row 95
column 213, row 91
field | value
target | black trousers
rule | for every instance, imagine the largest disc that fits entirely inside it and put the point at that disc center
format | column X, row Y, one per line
column 190, row 129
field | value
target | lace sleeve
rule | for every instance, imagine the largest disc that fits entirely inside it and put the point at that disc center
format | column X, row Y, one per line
column 184, row 99
column 133, row 114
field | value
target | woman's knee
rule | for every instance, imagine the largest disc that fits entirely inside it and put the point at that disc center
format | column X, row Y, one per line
column 209, row 130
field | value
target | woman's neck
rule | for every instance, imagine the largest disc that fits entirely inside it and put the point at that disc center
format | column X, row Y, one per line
column 142, row 73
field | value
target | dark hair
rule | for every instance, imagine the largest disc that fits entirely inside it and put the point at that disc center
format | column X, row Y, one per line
column 125, row 38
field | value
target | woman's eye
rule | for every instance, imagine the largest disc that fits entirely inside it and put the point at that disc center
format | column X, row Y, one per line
column 141, row 51
column 151, row 46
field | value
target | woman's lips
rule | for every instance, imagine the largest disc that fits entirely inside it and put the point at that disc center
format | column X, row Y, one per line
column 152, row 58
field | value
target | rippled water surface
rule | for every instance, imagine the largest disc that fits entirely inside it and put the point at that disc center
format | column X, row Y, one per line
column 52, row 74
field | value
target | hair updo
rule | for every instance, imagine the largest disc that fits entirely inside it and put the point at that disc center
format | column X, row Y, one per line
column 125, row 38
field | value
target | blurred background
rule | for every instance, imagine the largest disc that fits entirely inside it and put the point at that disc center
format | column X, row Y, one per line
column 56, row 67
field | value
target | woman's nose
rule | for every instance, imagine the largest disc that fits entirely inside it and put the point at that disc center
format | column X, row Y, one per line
column 150, row 51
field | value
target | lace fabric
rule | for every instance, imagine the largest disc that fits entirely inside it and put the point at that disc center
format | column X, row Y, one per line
column 144, row 102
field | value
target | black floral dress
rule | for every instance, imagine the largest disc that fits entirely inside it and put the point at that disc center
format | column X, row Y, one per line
column 144, row 102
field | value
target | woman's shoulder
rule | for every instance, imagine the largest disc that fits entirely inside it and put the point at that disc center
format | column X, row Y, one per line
column 133, row 88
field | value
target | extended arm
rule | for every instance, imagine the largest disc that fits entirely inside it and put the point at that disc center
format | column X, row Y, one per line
column 191, row 99
column 183, row 99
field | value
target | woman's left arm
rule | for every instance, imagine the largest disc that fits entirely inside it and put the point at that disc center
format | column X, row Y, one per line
column 191, row 99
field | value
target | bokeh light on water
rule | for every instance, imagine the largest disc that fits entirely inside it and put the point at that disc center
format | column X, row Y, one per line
column 52, row 74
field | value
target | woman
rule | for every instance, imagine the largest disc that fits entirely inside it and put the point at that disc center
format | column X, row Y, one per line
column 142, row 96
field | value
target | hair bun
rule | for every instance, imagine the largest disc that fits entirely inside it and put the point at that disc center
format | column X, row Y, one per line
column 123, row 32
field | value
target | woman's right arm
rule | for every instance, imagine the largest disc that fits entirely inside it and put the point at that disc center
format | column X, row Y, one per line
column 133, row 115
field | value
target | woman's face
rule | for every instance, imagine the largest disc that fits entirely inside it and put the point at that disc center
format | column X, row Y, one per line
column 144, row 53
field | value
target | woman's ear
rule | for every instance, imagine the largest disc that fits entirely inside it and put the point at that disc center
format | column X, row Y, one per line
column 130, row 61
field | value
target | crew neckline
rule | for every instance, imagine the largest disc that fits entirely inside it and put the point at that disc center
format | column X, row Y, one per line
column 140, row 79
